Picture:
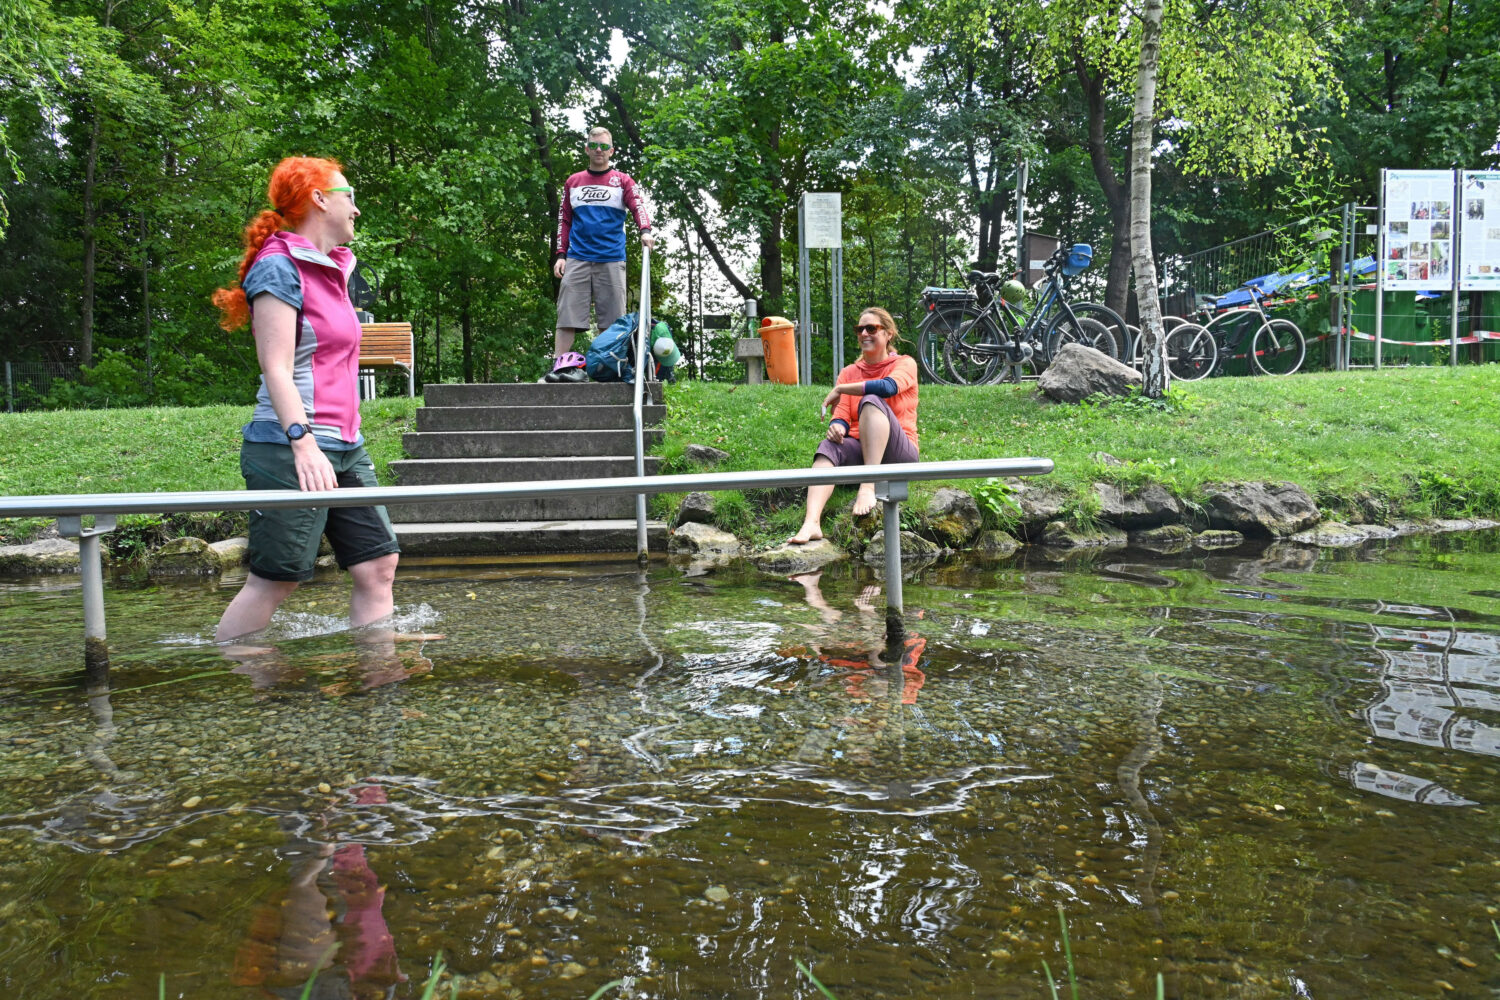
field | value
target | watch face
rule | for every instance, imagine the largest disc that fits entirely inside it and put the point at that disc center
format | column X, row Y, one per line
column 296, row 432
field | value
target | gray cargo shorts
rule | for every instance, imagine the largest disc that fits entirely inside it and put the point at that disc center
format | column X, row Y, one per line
column 585, row 281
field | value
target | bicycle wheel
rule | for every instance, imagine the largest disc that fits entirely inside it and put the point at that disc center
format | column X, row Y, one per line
column 1192, row 352
column 974, row 353
column 1112, row 320
column 1277, row 348
column 1085, row 331
column 946, row 321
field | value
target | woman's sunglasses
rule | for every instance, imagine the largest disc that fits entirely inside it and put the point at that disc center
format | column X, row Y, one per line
column 872, row 327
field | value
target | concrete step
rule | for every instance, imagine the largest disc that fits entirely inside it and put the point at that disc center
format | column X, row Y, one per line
column 535, row 394
column 553, row 509
column 447, row 471
column 523, row 538
column 612, row 416
column 523, row 444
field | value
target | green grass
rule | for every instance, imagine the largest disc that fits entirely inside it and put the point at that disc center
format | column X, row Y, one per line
column 1420, row 440
column 146, row 450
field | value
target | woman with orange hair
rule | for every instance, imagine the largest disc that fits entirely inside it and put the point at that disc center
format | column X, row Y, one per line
column 304, row 432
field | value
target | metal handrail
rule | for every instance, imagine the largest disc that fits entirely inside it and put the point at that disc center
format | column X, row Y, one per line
column 644, row 369
column 892, row 481
column 75, row 504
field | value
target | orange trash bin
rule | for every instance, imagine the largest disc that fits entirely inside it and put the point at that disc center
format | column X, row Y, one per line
column 778, row 334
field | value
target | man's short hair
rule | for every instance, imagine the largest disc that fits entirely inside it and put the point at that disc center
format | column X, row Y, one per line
column 598, row 130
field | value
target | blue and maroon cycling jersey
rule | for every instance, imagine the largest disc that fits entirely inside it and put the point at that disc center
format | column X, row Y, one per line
column 591, row 218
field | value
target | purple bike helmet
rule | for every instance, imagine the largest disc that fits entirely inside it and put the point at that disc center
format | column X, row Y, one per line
column 572, row 359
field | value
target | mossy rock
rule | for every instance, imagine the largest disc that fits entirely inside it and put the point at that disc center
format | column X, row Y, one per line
column 187, row 556
column 41, row 558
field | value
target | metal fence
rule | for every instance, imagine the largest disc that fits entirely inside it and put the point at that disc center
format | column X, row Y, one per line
column 27, row 382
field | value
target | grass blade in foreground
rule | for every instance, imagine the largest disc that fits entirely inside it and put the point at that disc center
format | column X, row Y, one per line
column 605, row 989
column 814, row 980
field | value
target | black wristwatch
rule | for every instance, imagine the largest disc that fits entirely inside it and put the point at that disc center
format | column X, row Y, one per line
column 297, row 432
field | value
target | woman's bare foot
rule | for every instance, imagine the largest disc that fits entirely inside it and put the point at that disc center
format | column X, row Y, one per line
column 805, row 535
column 864, row 500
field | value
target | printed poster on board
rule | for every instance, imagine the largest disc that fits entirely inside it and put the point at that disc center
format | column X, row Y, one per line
column 1418, row 238
column 1479, row 226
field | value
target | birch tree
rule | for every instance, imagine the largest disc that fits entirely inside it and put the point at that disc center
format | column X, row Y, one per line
column 1154, row 364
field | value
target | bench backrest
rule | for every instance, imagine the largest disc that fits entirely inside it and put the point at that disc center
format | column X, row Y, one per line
column 385, row 340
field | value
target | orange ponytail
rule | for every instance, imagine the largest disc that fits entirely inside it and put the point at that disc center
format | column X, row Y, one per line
column 290, row 190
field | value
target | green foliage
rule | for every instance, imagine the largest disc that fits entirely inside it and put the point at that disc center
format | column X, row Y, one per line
column 997, row 502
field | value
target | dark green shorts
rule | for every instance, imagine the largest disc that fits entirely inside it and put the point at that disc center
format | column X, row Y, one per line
column 284, row 541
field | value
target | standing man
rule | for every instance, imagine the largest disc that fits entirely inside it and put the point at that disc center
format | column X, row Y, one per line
column 591, row 249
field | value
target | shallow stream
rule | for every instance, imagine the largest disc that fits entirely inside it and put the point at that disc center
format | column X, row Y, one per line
column 1262, row 774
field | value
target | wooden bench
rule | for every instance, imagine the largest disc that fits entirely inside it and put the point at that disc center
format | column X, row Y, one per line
column 387, row 346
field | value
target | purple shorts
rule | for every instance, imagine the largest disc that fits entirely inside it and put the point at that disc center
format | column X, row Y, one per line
column 850, row 452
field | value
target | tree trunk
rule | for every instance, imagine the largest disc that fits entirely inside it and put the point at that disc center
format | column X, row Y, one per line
column 544, row 154
column 146, row 309
column 1116, row 193
column 1154, row 353
column 467, row 321
column 90, row 247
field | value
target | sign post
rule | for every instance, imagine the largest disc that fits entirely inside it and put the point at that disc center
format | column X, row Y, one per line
column 1418, row 230
column 820, row 225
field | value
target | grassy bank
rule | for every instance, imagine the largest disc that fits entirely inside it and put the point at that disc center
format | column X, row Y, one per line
column 149, row 450
column 1421, row 441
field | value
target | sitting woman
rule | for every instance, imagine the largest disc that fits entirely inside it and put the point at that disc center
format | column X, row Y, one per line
column 874, row 417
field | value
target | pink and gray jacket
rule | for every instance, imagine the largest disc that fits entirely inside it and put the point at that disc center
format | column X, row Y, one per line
column 325, row 365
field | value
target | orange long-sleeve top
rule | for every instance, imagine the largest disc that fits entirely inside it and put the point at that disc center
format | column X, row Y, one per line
column 903, row 404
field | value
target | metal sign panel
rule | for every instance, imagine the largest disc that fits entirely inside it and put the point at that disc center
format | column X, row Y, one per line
column 1479, row 222
column 1418, row 236
column 822, row 220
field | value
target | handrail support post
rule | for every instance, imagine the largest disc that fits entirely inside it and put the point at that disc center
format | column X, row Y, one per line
column 890, row 496
column 91, row 576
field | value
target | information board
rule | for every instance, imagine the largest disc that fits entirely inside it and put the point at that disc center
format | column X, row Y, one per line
column 822, row 220
column 1479, row 224
column 1418, row 240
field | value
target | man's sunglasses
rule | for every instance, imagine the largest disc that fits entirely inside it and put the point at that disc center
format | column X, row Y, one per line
column 600, row 146
column 872, row 327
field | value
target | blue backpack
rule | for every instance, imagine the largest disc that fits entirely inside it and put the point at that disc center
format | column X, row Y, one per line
column 611, row 356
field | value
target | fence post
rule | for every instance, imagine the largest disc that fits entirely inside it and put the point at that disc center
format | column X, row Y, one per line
column 10, row 402
column 890, row 496
column 91, row 576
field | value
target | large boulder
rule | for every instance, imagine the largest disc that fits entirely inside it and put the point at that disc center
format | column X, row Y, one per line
column 186, row 556
column 914, row 548
column 698, row 539
column 1039, row 507
column 792, row 559
column 1078, row 372
column 1261, row 509
column 1147, row 507
column 953, row 517
column 696, row 507
column 39, row 558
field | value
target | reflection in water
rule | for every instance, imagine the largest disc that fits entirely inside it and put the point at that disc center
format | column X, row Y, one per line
column 1369, row 778
column 693, row 782
column 1432, row 682
column 326, row 926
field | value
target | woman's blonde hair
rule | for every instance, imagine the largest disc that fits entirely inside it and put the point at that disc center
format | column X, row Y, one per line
column 886, row 321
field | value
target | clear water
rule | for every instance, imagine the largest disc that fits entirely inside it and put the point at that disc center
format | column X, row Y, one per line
column 1263, row 774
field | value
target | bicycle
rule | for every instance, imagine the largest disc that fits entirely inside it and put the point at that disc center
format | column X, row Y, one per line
column 973, row 337
column 1195, row 349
